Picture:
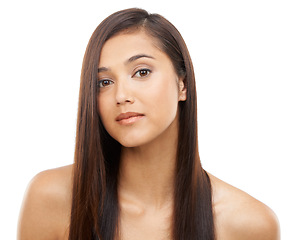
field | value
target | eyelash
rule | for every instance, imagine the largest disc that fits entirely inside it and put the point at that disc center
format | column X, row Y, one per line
column 99, row 83
column 143, row 69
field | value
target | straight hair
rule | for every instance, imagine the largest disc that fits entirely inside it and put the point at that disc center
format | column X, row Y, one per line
column 95, row 209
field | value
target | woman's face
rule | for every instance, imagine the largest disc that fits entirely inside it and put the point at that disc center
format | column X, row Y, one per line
column 138, row 89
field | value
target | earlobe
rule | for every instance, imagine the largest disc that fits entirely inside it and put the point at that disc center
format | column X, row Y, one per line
column 182, row 90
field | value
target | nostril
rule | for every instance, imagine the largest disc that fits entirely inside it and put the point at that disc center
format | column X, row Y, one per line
column 130, row 100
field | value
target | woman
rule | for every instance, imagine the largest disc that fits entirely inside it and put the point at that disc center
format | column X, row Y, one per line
column 137, row 172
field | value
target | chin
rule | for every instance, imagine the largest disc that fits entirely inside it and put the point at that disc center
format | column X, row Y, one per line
column 138, row 140
column 130, row 143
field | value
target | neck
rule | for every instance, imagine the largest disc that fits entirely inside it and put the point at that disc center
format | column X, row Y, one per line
column 147, row 173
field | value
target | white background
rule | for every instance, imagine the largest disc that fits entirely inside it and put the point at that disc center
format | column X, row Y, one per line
column 244, row 56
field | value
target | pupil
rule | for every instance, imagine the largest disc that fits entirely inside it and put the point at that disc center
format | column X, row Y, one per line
column 105, row 82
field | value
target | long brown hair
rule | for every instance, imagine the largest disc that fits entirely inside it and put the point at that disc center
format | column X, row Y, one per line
column 95, row 210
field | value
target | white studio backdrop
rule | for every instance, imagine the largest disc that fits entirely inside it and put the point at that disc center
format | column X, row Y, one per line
column 244, row 56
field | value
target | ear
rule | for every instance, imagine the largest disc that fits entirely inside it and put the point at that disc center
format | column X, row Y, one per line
column 182, row 90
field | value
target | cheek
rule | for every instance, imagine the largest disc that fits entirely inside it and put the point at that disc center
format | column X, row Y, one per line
column 164, row 101
column 100, row 105
column 104, row 110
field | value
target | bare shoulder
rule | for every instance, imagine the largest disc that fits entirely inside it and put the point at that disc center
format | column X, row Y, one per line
column 240, row 216
column 46, row 207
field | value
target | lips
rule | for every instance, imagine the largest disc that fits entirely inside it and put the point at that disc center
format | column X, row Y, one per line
column 127, row 115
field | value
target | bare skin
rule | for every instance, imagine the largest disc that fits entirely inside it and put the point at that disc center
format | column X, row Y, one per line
column 147, row 162
column 46, row 207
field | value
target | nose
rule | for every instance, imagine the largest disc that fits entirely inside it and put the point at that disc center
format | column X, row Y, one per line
column 123, row 93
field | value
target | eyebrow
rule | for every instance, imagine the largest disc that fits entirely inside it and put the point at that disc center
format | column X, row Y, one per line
column 102, row 69
column 134, row 58
column 131, row 59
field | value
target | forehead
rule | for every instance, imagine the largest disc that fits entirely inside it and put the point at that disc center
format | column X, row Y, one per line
column 124, row 45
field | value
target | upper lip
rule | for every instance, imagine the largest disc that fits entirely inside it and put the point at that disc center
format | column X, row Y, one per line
column 127, row 115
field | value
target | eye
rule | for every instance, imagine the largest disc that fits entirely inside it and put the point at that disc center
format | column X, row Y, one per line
column 142, row 73
column 104, row 83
